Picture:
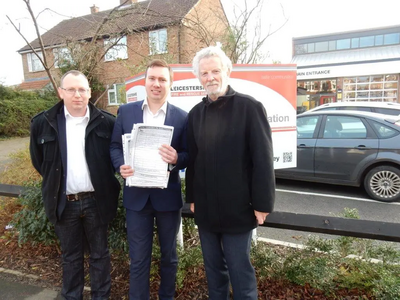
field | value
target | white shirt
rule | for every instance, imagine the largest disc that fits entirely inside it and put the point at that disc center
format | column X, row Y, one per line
column 154, row 119
column 78, row 177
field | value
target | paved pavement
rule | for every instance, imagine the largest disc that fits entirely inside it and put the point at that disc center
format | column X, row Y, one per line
column 10, row 146
column 16, row 285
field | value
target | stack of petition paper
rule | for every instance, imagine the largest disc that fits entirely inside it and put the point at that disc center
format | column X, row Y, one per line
column 141, row 152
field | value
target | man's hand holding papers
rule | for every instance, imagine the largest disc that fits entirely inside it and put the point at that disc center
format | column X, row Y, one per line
column 147, row 152
column 126, row 171
column 168, row 154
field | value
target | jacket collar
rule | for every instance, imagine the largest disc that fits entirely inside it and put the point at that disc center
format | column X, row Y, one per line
column 51, row 114
column 230, row 92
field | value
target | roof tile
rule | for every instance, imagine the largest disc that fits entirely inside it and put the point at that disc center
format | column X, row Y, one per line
column 142, row 15
column 34, row 84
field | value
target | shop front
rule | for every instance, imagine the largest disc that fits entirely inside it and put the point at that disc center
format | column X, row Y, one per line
column 377, row 81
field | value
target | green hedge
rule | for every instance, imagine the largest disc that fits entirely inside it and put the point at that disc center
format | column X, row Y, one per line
column 18, row 107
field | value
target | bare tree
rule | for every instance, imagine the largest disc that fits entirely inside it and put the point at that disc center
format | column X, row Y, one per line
column 247, row 35
column 43, row 60
column 242, row 38
column 83, row 56
column 205, row 26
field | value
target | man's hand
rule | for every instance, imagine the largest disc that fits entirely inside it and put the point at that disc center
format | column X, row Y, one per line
column 126, row 171
column 168, row 154
column 192, row 207
column 261, row 216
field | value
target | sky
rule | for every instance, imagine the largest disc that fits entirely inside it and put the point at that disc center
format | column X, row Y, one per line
column 305, row 17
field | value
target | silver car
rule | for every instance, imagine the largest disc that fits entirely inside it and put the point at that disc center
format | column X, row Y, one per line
column 387, row 108
column 349, row 148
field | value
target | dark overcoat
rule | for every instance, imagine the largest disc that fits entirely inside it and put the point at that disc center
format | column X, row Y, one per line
column 230, row 172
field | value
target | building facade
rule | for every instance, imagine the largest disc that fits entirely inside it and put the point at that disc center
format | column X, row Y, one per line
column 362, row 65
column 121, row 41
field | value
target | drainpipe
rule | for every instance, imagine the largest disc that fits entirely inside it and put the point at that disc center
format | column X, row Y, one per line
column 179, row 42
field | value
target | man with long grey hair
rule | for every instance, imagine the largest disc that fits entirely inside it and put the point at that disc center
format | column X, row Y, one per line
column 230, row 181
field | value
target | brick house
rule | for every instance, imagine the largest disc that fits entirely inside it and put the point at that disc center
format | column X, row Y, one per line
column 130, row 35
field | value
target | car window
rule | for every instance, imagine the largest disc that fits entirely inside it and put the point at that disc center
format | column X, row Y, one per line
column 359, row 108
column 387, row 111
column 306, row 126
column 384, row 131
column 344, row 127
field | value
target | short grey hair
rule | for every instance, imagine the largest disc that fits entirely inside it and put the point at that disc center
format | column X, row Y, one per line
column 212, row 51
column 73, row 72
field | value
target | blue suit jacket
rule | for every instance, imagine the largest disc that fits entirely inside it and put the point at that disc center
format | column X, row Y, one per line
column 135, row 198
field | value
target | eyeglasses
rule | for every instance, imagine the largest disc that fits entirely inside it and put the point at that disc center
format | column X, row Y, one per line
column 72, row 91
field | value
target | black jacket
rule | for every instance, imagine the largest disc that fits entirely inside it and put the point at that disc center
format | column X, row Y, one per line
column 230, row 172
column 49, row 154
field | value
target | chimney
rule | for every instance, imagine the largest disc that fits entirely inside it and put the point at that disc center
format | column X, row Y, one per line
column 127, row 2
column 94, row 9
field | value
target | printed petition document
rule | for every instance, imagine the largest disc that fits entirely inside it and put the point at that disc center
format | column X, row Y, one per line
column 141, row 153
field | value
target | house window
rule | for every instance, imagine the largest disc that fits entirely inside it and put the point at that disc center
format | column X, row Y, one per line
column 116, row 49
column 62, row 57
column 34, row 64
column 158, row 41
column 117, row 94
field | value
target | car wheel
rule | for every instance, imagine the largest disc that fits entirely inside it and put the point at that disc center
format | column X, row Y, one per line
column 383, row 183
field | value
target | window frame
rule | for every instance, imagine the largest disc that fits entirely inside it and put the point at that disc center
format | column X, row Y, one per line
column 33, row 59
column 157, row 45
column 118, row 51
column 307, row 121
column 348, row 43
column 66, row 56
column 117, row 95
column 343, row 133
column 355, row 88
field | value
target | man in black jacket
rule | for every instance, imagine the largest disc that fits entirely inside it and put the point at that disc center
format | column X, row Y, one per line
column 230, row 179
column 69, row 147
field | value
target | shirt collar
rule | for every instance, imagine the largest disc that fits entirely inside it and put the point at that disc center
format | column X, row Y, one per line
column 85, row 117
column 163, row 108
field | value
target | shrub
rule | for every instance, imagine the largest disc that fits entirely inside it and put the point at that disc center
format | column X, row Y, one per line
column 32, row 225
column 322, row 265
column 18, row 107
column 117, row 238
column 267, row 260
column 387, row 287
column 310, row 267
column 31, row 222
column 190, row 256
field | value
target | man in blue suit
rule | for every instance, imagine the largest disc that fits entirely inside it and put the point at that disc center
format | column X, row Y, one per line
column 146, row 205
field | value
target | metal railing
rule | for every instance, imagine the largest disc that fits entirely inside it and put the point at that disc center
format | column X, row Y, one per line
column 376, row 230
